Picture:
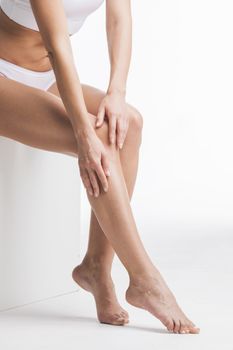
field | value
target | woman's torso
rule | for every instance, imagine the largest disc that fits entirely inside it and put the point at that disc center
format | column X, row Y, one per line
column 20, row 40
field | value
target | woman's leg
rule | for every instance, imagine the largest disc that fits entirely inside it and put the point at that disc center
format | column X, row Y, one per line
column 94, row 273
column 97, row 263
column 129, row 162
column 43, row 124
column 147, row 288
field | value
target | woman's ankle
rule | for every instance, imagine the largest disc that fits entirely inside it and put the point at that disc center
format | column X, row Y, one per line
column 139, row 278
column 97, row 263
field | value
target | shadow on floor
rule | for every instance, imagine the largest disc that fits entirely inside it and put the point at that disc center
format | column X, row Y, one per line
column 79, row 320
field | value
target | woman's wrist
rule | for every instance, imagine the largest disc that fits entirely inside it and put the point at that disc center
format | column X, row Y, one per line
column 116, row 89
column 83, row 130
column 80, row 121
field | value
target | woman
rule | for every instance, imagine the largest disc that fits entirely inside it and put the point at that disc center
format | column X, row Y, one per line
column 44, row 105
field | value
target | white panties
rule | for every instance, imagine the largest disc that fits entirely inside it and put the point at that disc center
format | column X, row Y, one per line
column 40, row 80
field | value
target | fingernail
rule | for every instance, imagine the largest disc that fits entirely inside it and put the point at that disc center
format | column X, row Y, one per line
column 121, row 145
column 96, row 194
column 105, row 188
column 90, row 192
column 107, row 172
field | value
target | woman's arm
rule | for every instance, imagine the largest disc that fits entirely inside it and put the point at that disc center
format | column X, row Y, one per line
column 52, row 23
column 119, row 37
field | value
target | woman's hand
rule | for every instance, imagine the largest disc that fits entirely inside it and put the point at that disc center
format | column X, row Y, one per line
column 92, row 160
column 113, row 107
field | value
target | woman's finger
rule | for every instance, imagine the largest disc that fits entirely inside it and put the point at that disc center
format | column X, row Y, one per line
column 121, row 132
column 94, row 182
column 102, row 177
column 86, row 181
column 112, row 129
column 100, row 116
column 105, row 164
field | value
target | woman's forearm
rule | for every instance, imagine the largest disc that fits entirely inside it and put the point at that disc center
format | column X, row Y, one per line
column 119, row 36
column 69, row 87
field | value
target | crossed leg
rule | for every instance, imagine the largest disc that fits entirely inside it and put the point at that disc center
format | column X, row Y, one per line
column 39, row 119
column 94, row 273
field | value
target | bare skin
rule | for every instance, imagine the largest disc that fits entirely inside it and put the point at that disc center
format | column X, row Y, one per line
column 94, row 273
column 102, row 255
column 16, row 122
column 117, row 231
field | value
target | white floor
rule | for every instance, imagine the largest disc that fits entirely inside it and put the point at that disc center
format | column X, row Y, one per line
column 198, row 267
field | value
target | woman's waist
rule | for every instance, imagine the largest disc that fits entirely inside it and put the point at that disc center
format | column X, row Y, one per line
column 35, row 62
column 21, row 46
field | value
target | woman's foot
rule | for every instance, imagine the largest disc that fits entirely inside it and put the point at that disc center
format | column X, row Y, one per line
column 152, row 294
column 90, row 277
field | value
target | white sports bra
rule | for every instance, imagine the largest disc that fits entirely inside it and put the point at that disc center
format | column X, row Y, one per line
column 76, row 12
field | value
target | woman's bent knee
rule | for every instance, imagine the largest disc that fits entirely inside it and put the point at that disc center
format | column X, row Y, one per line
column 134, row 134
column 135, row 118
column 102, row 132
column 134, row 131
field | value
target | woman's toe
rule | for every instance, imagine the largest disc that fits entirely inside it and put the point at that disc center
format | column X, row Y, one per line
column 194, row 330
column 183, row 327
column 124, row 314
column 187, row 330
column 192, row 327
column 119, row 318
column 114, row 319
column 170, row 325
column 176, row 325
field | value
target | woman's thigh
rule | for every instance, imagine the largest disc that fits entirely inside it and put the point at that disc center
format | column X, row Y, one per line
column 36, row 118
column 92, row 96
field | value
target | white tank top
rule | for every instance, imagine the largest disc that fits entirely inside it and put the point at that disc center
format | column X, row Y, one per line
column 76, row 12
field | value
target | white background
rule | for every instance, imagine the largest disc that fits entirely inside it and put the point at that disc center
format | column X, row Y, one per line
column 181, row 80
